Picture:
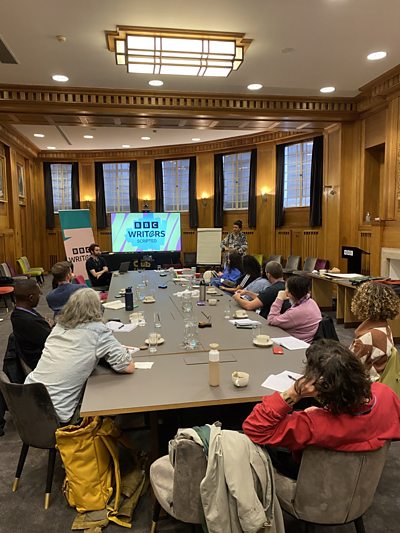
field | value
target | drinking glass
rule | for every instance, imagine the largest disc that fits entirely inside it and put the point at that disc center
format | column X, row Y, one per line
column 187, row 304
column 227, row 309
column 157, row 320
column 153, row 340
column 190, row 339
column 158, row 267
column 256, row 331
column 140, row 318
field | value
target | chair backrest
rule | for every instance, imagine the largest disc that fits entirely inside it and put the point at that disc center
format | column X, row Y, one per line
column 293, row 262
column 309, row 264
column 326, row 329
column 259, row 257
column 4, row 270
column 80, row 279
column 26, row 262
column 32, row 411
column 22, row 265
column 189, row 470
column 277, row 258
column 11, row 269
column 321, row 263
column 337, row 487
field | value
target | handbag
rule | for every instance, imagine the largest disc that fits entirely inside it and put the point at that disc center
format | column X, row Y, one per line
column 391, row 373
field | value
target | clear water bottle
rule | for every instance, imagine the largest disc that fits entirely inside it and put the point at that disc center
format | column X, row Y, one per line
column 203, row 291
column 129, row 299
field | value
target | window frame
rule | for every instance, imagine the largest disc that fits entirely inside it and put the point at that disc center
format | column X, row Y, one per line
column 181, row 208
column 301, row 205
column 62, row 206
column 126, row 208
column 236, row 207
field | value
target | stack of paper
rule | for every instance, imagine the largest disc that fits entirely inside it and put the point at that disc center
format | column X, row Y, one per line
column 114, row 305
column 282, row 381
column 291, row 343
column 244, row 322
column 121, row 328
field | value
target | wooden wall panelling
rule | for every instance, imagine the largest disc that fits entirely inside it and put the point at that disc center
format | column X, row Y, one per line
column 266, row 183
column 310, row 244
column 391, row 182
column 205, row 189
column 375, row 129
column 365, row 237
column 283, row 243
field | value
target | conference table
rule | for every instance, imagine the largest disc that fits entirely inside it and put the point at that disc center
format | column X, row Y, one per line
column 178, row 378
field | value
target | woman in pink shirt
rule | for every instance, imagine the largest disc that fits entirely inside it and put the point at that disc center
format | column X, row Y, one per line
column 302, row 319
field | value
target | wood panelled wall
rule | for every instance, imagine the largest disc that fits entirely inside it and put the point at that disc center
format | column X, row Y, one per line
column 361, row 173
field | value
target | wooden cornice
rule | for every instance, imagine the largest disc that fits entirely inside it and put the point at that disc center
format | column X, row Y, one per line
column 378, row 91
column 83, row 101
column 14, row 138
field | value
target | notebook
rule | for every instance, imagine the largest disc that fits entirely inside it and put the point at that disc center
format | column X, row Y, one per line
column 124, row 267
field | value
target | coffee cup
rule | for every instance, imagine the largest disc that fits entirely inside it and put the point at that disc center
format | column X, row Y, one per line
column 240, row 379
column 212, row 301
column 240, row 313
column 262, row 339
column 322, row 271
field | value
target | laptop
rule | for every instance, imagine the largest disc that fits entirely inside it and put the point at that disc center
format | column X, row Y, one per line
column 124, row 267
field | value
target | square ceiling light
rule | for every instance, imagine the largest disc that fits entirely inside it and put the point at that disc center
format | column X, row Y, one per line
column 177, row 52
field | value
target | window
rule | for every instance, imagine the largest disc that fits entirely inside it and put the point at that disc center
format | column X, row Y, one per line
column 116, row 187
column 62, row 188
column 176, row 185
column 236, row 180
column 297, row 174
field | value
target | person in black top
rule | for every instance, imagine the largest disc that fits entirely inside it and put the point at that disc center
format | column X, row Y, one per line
column 29, row 327
column 96, row 268
column 265, row 298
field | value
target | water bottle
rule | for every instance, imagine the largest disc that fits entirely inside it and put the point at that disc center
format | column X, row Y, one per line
column 213, row 365
column 129, row 299
column 203, row 293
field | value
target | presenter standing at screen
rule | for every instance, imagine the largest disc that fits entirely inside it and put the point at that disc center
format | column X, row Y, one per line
column 96, row 268
column 235, row 241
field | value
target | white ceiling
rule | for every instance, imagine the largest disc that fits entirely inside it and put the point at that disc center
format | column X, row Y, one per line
column 330, row 40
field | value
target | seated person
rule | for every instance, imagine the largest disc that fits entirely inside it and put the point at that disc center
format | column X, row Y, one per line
column 251, row 271
column 264, row 299
column 303, row 317
column 337, row 379
column 96, row 268
column 375, row 303
column 29, row 327
column 73, row 349
column 231, row 272
column 62, row 286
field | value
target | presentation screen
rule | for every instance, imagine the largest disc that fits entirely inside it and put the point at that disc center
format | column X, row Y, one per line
column 146, row 232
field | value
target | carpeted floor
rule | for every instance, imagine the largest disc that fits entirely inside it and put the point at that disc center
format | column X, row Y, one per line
column 23, row 512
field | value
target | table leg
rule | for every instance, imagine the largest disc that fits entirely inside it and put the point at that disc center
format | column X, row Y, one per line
column 321, row 292
column 154, row 436
column 340, row 304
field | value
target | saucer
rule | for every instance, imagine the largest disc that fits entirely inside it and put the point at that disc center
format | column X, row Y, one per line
column 263, row 344
column 149, row 300
column 212, row 291
column 242, row 315
column 161, row 340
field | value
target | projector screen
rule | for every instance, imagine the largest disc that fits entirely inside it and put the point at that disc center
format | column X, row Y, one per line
column 146, row 232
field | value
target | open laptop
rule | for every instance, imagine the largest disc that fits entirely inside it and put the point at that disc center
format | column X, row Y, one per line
column 124, row 267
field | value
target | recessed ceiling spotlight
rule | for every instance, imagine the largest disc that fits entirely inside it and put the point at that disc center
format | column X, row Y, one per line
column 195, row 139
column 145, row 138
column 51, row 148
column 39, row 135
column 156, row 83
column 60, row 77
column 254, row 86
column 327, row 90
column 374, row 56
column 88, row 136
column 126, row 146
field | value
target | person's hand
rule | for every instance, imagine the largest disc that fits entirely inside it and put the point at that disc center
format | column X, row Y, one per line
column 282, row 295
column 240, row 292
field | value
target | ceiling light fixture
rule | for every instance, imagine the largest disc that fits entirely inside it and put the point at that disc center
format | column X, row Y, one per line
column 374, row 56
column 179, row 52
column 254, row 86
column 156, row 83
column 60, row 77
column 88, row 136
column 327, row 90
column 196, row 139
column 39, row 135
column 126, row 146
column 145, row 138
column 51, row 148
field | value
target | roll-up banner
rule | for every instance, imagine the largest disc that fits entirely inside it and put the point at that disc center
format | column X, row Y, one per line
column 77, row 235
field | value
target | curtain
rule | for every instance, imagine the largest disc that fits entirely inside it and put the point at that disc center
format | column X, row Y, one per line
column 316, row 189
column 76, row 203
column 48, row 195
column 218, row 191
column 252, row 210
column 101, row 215
column 133, row 187
column 193, row 211
column 280, row 167
column 158, row 176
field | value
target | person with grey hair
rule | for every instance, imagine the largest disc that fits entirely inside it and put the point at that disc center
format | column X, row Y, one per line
column 264, row 299
column 63, row 288
column 75, row 346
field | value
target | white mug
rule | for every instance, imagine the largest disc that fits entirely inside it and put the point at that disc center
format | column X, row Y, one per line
column 240, row 379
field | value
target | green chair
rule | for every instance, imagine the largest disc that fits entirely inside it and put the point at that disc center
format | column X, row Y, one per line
column 259, row 257
column 27, row 270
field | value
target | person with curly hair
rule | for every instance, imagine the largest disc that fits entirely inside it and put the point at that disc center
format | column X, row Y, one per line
column 354, row 414
column 375, row 304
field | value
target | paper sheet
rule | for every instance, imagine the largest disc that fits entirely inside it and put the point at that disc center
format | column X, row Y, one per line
column 114, row 305
column 282, row 381
column 143, row 365
column 244, row 322
column 113, row 325
column 291, row 343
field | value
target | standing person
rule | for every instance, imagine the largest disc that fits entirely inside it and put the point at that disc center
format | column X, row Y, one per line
column 354, row 415
column 303, row 317
column 30, row 328
column 62, row 277
column 231, row 273
column 375, row 304
column 76, row 344
column 234, row 242
column 96, row 267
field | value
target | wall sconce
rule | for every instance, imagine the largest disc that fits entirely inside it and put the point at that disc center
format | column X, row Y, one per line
column 264, row 195
column 330, row 189
column 88, row 199
column 204, row 200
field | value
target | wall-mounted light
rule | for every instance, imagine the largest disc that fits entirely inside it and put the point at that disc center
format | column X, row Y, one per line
column 204, row 200
column 330, row 189
column 88, row 199
column 264, row 195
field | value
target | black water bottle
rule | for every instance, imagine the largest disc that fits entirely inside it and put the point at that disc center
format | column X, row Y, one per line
column 202, row 291
column 129, row 299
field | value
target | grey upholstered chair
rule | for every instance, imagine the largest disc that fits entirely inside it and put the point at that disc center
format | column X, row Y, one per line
column 177, row 488
column 309, row 264
column 332, row 487
column 36, row 422
column 292, row 263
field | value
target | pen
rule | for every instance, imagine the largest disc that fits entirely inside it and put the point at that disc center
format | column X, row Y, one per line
column 207, row 316
column 291, row 377
column 121, row 326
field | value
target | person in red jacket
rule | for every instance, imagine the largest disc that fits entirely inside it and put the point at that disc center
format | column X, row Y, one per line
column 353, row 414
